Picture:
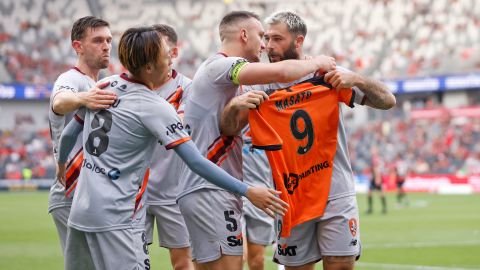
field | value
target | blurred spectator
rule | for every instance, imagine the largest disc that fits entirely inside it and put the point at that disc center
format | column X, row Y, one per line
column 26, row 155
column 379, row 38
column 429, row 146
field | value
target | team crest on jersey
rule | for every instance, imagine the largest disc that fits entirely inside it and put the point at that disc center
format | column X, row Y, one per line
column 291, row 182
column 353, row 226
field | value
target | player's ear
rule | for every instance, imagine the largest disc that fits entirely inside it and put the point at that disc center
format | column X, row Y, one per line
column 299, row 41
column 174, row 52
column 243, row 34
column 149, row 68
column 77, row 46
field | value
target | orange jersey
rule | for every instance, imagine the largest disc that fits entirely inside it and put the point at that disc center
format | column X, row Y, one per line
column 297, row 126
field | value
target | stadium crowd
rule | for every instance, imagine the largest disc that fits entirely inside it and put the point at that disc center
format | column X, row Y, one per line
column 26, row 155
column 430, row 146
column 384, row 39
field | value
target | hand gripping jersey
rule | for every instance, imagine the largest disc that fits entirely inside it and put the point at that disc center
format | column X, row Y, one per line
column 74, row 81
column 118, row 146
column 297, row 126
column 166, row 165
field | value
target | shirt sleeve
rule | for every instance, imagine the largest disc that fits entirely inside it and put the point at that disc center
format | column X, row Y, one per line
column 263, row 135
column 161, row 119
column 228, row 69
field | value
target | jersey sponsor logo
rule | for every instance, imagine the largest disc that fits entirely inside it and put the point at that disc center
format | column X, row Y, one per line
column 353, row 226
column 122, row 87
column 292, row 100
column 147, row 264
column 173, row 128
column 292, row 180
column 284, row 250
column 113, row 173
column 235, row 240
column 65, row 87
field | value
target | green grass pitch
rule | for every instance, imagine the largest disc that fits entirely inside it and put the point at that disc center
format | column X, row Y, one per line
column 434, row 233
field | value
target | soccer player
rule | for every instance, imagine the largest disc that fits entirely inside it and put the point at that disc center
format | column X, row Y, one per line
column 107, row 219
column 91, row 40
column 162, row 188
column 334, row 236
column 212, row 215
column 376, row 183
column 258, row 226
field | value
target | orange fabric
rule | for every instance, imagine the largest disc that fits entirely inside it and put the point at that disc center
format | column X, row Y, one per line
column 297, row 126
column 218, row 150
column 176, row 98
column 143, row 187
column 73, row 171
column 177, row 142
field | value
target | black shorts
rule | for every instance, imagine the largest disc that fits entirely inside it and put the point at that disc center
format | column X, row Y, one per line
column 373, row 186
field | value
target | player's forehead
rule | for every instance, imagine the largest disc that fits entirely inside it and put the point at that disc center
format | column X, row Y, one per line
column 277, row 29
column 98, row 32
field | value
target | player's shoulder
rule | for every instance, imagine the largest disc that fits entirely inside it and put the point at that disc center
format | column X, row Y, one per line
column 72, row 80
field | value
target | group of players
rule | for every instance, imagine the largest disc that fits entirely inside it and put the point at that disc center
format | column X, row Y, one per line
column 118, row 179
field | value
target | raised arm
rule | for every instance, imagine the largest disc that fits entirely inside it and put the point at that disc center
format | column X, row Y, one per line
column 95, row 98
column 283, row 71
column 377, row 93
column 261, row 197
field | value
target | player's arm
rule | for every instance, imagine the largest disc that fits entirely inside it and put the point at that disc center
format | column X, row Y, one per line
column 377, row 94
column 66, row 144
column 264, row 198
column 95, row 98
column 235, row 114
column 281, row 72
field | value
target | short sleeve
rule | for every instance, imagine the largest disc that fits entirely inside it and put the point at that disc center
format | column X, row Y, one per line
column 228, row 69
column 263, row 135
column 161, row 119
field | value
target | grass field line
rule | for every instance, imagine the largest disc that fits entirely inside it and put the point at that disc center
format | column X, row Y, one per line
column 422, row 244
column 408, row 266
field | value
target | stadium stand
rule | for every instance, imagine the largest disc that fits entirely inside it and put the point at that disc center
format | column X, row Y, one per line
column 384, row 39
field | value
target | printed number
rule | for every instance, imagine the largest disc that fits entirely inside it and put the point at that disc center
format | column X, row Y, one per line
column 228, row 218
column 97, row 142
column 301, row 134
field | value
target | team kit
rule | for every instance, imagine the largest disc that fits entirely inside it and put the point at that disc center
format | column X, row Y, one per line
column 242, row 156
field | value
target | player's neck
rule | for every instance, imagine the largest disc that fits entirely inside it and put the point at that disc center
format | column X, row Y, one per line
column 85, row 69
column 231, row 49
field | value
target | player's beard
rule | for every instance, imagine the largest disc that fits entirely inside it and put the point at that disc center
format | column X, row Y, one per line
column 290, row 53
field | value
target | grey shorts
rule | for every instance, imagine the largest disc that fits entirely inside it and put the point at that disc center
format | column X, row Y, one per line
column 213, row 219
column 336, row 233
column 60, row 217
column 258, row 226
column 111, row 250
column 171, row 228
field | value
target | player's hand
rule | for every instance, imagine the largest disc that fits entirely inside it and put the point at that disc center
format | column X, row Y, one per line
column 61, row 168
column 266, row 199
column 96, row 98
column 324, row 63
column 342, row 79
column 249, row 100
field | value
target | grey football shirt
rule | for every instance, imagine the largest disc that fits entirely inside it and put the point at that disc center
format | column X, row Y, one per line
column 118, row 145
column 213, row 86
column 256, row 169
column 166, row 165
column 73, row 81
